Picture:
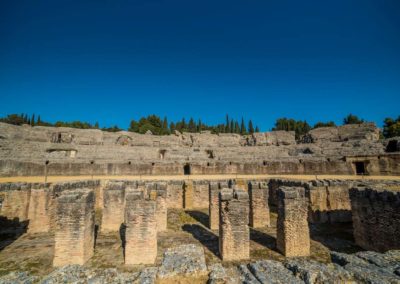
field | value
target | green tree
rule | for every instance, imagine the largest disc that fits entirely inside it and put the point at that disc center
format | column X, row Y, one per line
column 33, row 120
column 237, row 127
column 227, row 126
column 257, row 129
column 352, row 119
column 243, row 130
column 324, row 124
column 251, row 129
column 391, row 127
column 96, row 125
column 192, row 126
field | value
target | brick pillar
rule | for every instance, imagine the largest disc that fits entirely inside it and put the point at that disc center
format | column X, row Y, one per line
column 113, row 211
column 213, row 207
column 40, row 207
column 259, row 209
column 141, row 229
column 188, row 194
column 293, row 235
column 74, row 230
column 234, row 235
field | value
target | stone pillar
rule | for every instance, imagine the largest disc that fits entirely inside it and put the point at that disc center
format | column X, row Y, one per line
column 141, row 229
column 293, row 234
column 234, row 235
column 259, row 209
column 40, row 207
column 113, row 211
column 188, row 194
column 213, row 208
column 15, row 200
column 74, row 230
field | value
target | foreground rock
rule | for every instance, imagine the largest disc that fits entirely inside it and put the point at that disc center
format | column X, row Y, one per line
column 188, row 261
column 183, row 260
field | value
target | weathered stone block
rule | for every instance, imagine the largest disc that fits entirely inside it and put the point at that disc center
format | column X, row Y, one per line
column 113, row 211
column 376, row 218
column 234, row 235
column 213, row 209
column 259, row 209
column 141, row 229
column 293, row 235
column 74, row 230
column 40, row 207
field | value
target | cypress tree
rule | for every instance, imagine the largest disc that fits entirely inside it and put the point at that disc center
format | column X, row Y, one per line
column 232, row 127
column 237, row 127
column 38, row 120
column 33, row 120
column 243, row 127
column 257, row 129
column 251, row 129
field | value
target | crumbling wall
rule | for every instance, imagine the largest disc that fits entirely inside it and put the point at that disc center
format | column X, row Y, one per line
column 293, row 234
column 200, row 194
column 259, row 209
column 234, row 234
column 41, row 207
column 114, row 204
column 175, row 194
column 15, row 200
column 74, row 230
column 141, row 229
column 376, row 218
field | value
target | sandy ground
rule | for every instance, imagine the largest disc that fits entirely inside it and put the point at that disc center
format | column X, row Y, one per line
column 191, row 177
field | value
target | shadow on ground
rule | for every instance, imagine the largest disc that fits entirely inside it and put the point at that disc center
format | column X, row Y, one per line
column 205, row 237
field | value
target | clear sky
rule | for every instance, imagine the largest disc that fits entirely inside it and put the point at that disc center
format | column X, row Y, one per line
column 110, row 61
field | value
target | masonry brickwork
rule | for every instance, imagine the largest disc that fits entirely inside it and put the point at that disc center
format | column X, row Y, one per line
column 293, row 234
column 376, row 218
column 74, row 230
column 234, row 234
column 141, row 229
column 113, row 210
column 259, row 208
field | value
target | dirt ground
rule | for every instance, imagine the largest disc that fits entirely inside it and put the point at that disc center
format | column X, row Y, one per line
column 191, row 177
column 34, row 252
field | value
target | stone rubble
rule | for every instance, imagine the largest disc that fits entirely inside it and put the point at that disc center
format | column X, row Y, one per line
column 189, row 261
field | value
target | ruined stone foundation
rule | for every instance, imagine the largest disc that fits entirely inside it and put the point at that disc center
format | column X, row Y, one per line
column 293, row 235
column 376, row 218
column 141, row 229
column 74, row 230
column 234, row 235
column 113, row 211
column 213, row 209
column 259, row 209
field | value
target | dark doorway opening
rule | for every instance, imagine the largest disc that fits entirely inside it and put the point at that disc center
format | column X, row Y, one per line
column 391, row 146
column 186, row 169
column 360, row 168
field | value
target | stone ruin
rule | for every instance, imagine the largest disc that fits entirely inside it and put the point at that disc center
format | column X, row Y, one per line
column 293, row 235
column 345, row 150
column 139, row 210
column 234, row 235
column 141, row 228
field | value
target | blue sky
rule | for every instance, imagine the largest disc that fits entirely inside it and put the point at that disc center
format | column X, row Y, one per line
column 111, row 61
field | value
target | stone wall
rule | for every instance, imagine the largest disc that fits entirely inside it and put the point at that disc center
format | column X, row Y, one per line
column 141, row 229
column 293, row 234
column 175, row 194
column 114, row 204
column 234, row 234
column 259, row 208
column 376, row 217
column 200, row 194
column 15, row 200
column 41, row 210
column 74, row 230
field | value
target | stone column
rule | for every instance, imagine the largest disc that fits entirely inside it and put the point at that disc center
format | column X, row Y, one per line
column 259, row 209
column 213, row 208
column 141, row 229
column 74, row 230
column 234, row 235
column 113, row 211
column 293, row 235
